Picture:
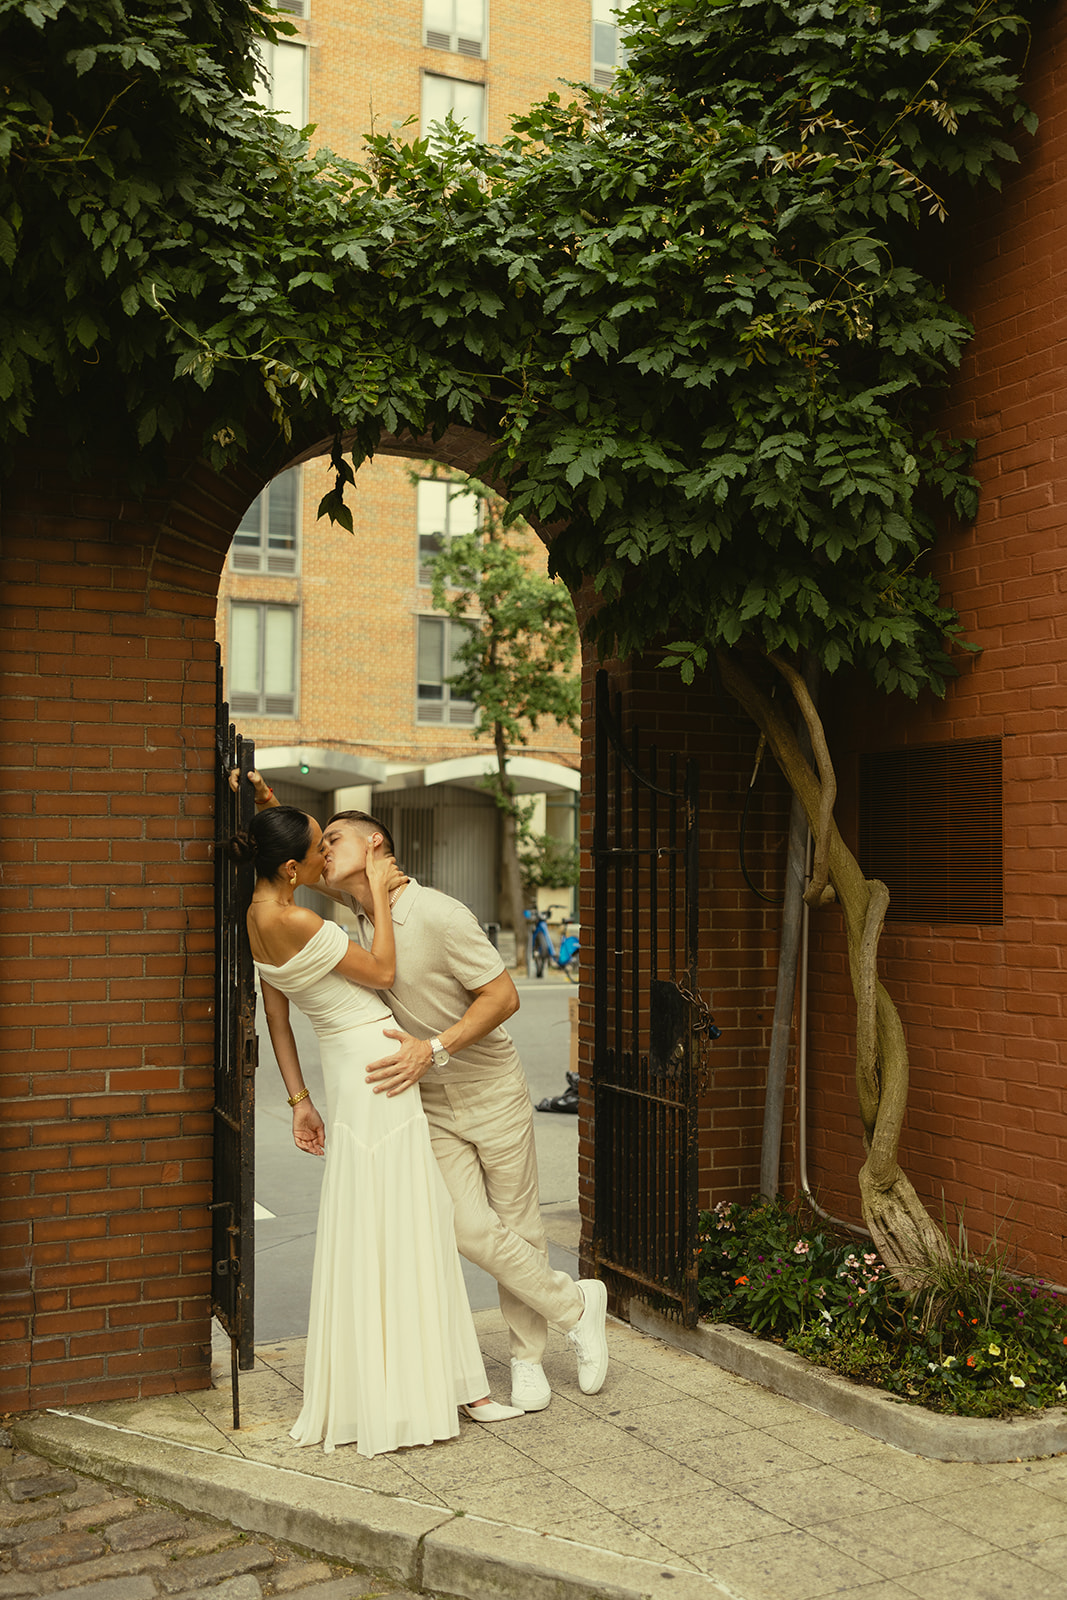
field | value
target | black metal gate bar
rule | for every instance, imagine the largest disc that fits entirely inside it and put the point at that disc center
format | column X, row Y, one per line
column 236, row 1053
column 646, row 1075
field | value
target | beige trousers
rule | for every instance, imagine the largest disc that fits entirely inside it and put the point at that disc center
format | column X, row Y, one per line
column 482, row 1136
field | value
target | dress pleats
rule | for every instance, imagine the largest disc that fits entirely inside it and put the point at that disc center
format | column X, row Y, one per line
column 391, row 1349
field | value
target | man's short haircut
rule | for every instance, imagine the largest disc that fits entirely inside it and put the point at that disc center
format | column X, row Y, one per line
column 365, row 818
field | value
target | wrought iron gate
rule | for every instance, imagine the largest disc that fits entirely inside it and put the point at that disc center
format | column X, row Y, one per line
column 650, row 1028
column 232, row 1236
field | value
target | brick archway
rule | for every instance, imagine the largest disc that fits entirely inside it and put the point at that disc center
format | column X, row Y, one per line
column 108, row 721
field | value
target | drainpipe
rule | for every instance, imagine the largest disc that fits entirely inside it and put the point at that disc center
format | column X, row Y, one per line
column 802, row 1074
column 781, row 1027
column 793, row 908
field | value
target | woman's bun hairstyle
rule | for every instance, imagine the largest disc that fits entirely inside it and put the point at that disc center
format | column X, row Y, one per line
column 275, row 834
column 242, row 847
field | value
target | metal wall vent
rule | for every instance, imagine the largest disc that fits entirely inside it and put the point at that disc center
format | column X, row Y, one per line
column 931, row 828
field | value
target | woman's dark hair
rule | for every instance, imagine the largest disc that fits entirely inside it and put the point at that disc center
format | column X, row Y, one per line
column 276, row 834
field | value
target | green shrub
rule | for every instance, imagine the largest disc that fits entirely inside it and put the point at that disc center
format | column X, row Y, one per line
column 981, row 1340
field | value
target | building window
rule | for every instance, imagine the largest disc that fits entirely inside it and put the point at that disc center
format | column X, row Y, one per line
column 466, row 102
column 608, row 50
column 457, row 25
column 443, row 510
column 285, row 68
column 931, row 830
column 261, row 659
column 268, row 539
column 295, row 8
column 438, row 640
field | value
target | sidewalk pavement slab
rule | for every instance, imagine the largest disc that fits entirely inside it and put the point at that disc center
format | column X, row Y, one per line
column 680, row 1478
column 882, row 1415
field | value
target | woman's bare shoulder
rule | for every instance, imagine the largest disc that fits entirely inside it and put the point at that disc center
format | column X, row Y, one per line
column 278, row 934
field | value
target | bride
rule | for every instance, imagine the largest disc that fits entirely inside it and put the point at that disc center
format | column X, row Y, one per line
column 391, row 1349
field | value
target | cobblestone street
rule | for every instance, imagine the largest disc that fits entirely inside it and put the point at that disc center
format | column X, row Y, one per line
column 63, row 1533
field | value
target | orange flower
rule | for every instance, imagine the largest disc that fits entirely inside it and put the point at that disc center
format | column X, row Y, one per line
column 970, row 1361
column 745, row 1280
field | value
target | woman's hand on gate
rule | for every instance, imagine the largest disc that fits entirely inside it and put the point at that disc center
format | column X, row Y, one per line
column 309, row 1130
column 264, row 794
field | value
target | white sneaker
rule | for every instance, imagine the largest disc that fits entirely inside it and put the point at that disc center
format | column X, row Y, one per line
column 590, row 1338
column 529, row 1386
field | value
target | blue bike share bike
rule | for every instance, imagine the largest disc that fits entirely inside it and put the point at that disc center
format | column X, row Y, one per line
column 541, row 950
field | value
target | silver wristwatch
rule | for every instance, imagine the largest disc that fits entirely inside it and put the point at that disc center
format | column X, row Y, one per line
column 439, row 1054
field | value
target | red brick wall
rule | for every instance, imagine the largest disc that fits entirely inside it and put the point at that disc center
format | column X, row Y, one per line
column 108, row 720
column 986, row 1007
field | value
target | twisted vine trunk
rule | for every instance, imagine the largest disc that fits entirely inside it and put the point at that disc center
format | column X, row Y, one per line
column 905, row 1235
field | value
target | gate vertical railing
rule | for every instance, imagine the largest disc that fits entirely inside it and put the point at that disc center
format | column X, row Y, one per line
column 650, row 1028
column 236, row 1052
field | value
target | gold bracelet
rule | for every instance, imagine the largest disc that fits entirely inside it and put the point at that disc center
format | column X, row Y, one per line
column 295, row 1099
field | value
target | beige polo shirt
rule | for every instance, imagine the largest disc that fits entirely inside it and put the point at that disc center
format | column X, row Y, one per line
column 442, row 957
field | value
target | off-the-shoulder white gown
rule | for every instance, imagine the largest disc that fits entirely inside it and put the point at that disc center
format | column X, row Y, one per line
column 391, row 1348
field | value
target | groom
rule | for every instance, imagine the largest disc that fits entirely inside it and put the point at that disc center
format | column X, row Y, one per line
column 450, row 997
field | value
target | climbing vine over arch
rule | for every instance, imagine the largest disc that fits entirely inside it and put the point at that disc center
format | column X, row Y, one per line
column 701, row 315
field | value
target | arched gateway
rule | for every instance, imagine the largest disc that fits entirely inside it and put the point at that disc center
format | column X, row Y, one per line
column 108, row 709
column 109, row 725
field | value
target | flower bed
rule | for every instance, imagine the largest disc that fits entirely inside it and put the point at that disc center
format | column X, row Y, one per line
column 981, row 1341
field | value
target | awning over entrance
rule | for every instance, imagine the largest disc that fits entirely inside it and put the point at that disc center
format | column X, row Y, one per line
column 529, row 775
column 314, row 768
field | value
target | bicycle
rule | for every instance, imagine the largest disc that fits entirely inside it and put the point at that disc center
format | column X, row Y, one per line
column 542, row 950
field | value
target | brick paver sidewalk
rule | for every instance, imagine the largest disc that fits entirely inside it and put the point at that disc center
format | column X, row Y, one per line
column 63, row 1533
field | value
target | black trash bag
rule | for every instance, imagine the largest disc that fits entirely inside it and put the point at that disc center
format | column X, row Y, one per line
column 567, row 1101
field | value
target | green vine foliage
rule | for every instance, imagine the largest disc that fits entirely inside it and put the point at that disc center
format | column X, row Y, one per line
column 697, row 314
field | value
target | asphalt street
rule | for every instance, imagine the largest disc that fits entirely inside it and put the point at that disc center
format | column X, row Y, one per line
column 288, row 1181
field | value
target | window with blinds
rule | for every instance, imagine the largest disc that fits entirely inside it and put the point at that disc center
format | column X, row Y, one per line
column 261, row 659
column 438, row 639
column 441, row 96
column 268, row 539
column 282, row 81
column 456, row 25
column 931, row 830
column 608, row 50
column 443, row 510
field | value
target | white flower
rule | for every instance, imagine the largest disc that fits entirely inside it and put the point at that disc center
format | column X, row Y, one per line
column 1018, row 1383
column 994, row 1349
column 801, row 1247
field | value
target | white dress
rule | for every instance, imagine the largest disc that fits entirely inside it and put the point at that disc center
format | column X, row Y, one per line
column 391, row 1348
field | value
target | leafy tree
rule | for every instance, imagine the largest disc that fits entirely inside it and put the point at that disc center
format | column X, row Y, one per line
column 516, row 659
column 702, row 316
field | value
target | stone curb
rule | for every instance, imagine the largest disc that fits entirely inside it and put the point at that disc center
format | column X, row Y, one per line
column 430, row 1549
column 872, row 1411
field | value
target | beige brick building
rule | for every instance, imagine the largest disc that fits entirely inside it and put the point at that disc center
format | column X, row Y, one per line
column 334, row 661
